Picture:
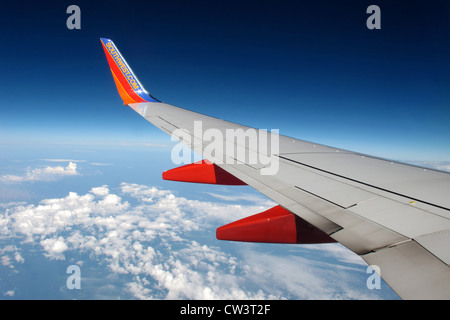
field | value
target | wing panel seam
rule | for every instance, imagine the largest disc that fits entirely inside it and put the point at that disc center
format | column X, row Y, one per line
column 364, row 183
column 325, row 199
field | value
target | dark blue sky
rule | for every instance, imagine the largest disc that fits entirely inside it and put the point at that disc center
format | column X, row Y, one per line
column 311, row 69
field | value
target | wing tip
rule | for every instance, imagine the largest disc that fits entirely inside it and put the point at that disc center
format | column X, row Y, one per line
column 128, row 85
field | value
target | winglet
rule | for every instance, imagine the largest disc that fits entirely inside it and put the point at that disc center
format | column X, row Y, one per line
column 128, row 85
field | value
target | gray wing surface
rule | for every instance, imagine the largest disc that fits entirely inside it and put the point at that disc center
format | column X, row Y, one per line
column 395, row 216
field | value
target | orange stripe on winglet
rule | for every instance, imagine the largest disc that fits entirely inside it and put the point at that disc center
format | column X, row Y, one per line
column 122, row 92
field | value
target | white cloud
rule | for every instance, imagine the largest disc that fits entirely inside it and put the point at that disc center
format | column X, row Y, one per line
column 100, row 191
column 158, row 239
column 101, row 164
column 9, row 293
column 54, row 248
column 304, row 278
column 62, row 160
column 438, row 165
column 18, row 257
column 43, row 174
column 5, row 261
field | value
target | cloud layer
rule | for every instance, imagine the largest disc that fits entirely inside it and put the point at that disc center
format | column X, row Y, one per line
column 165, row 245
column 45, row 174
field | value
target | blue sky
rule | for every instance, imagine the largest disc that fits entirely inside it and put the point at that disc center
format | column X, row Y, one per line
column 314, row 71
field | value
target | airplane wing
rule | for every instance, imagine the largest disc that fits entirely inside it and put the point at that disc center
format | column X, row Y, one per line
column 395, row 216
